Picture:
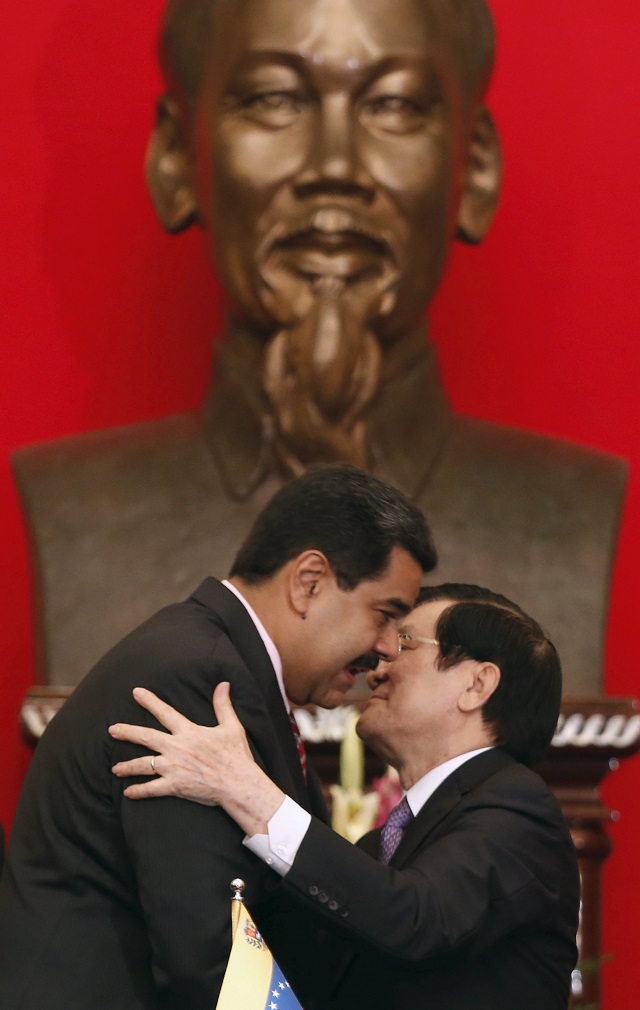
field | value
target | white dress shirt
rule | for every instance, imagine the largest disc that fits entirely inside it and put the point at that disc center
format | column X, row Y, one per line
column 294, row 816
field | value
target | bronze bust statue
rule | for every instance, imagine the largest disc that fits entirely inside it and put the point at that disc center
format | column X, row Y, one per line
column 332, row 151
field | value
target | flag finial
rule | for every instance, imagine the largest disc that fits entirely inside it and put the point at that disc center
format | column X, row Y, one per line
column 237, row 886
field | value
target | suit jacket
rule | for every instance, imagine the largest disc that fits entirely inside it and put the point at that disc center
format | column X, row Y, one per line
column 111, row 904
column 477, row 910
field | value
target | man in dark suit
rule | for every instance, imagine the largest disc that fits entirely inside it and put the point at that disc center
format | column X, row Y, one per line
column 477, row 908
column 110, row 904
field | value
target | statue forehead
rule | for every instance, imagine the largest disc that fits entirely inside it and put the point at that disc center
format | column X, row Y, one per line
column 320, row 29
column 336, row 10
column 205, row 8
column 187, row 40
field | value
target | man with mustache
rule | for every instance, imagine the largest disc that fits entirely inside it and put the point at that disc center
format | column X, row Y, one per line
column 331, row 151
column 109, row 904
column 477, row 905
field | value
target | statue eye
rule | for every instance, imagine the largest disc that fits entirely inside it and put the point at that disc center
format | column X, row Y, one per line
column 275, row 108
column 393, row 113
column 273, row 100
column 394, row 104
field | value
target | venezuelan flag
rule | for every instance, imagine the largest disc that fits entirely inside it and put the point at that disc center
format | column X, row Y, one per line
column 253, row 980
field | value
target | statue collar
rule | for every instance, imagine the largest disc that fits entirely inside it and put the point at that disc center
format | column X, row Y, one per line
column 408, row 423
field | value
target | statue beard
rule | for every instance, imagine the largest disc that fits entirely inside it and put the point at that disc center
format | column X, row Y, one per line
column 321, row 374
column 321, row 370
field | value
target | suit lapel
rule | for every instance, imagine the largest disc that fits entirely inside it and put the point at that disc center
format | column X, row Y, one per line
column 446, row 797
column 227, row 613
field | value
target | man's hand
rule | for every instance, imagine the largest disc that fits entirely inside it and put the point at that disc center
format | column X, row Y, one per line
column 210, row 765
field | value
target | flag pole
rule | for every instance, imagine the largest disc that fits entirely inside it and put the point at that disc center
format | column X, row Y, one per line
column 237, row 903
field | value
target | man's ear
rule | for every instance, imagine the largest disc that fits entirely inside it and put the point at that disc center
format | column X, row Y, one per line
column 309, row 572
column 484, row 679
column 168, row 168
column 482, row 179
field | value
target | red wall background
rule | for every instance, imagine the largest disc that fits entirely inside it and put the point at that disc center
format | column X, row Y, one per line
column 105, row 320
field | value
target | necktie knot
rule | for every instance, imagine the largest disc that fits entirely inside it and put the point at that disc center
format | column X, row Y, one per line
column 393, row 829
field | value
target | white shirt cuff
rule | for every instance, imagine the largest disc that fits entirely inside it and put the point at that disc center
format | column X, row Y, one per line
column 287, row 828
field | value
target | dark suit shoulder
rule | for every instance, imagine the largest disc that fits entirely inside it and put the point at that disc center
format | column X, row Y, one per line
column 498, row 777
column 494, row 792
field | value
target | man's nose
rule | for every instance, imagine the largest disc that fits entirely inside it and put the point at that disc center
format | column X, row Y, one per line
column 388, row 644
column 333, row 154
column 377, row 676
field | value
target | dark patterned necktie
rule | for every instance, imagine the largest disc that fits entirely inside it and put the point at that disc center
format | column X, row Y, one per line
column 393, row 829
column 302, row 754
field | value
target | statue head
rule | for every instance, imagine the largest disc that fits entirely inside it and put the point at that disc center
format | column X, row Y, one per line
column 332, row 150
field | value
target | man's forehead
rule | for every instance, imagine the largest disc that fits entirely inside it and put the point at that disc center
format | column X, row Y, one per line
column 423, row 618
column 397, row 587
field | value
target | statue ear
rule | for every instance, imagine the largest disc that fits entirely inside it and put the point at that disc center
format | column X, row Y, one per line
column 168, row 168
column 482, row 180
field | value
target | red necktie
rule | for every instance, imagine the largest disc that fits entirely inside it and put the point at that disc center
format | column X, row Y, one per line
column 302, row 754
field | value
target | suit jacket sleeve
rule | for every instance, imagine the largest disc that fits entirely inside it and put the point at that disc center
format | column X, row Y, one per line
column 496, row 862
column 184, row 855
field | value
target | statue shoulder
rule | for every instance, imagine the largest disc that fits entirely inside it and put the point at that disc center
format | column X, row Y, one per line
column 111, row 454
column 528, row 463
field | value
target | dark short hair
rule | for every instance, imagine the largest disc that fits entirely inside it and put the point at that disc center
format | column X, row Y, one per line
column 186, row 25
column 523, row 710
column 348, row 514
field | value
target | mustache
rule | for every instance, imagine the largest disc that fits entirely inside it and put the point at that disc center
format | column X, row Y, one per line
column 328, row 223
column 367, row 661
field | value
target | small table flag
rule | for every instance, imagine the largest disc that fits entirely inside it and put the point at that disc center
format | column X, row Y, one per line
column 253, row 980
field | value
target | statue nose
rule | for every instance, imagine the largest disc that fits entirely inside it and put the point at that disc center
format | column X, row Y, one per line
column 334, row 156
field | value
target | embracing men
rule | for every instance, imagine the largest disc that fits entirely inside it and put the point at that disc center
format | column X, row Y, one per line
column 468, row 898
column 114, row 904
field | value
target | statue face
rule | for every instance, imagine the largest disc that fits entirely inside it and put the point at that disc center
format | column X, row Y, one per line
column 329, row 151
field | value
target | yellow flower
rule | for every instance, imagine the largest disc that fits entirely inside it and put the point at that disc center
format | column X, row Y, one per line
column 354, row 811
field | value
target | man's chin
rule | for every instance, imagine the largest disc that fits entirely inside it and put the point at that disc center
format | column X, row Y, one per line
column 365, row 727
column 373, row 735
column 334, row 695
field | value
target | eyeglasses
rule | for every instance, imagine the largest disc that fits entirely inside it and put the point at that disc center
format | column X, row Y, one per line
column 404, row 638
